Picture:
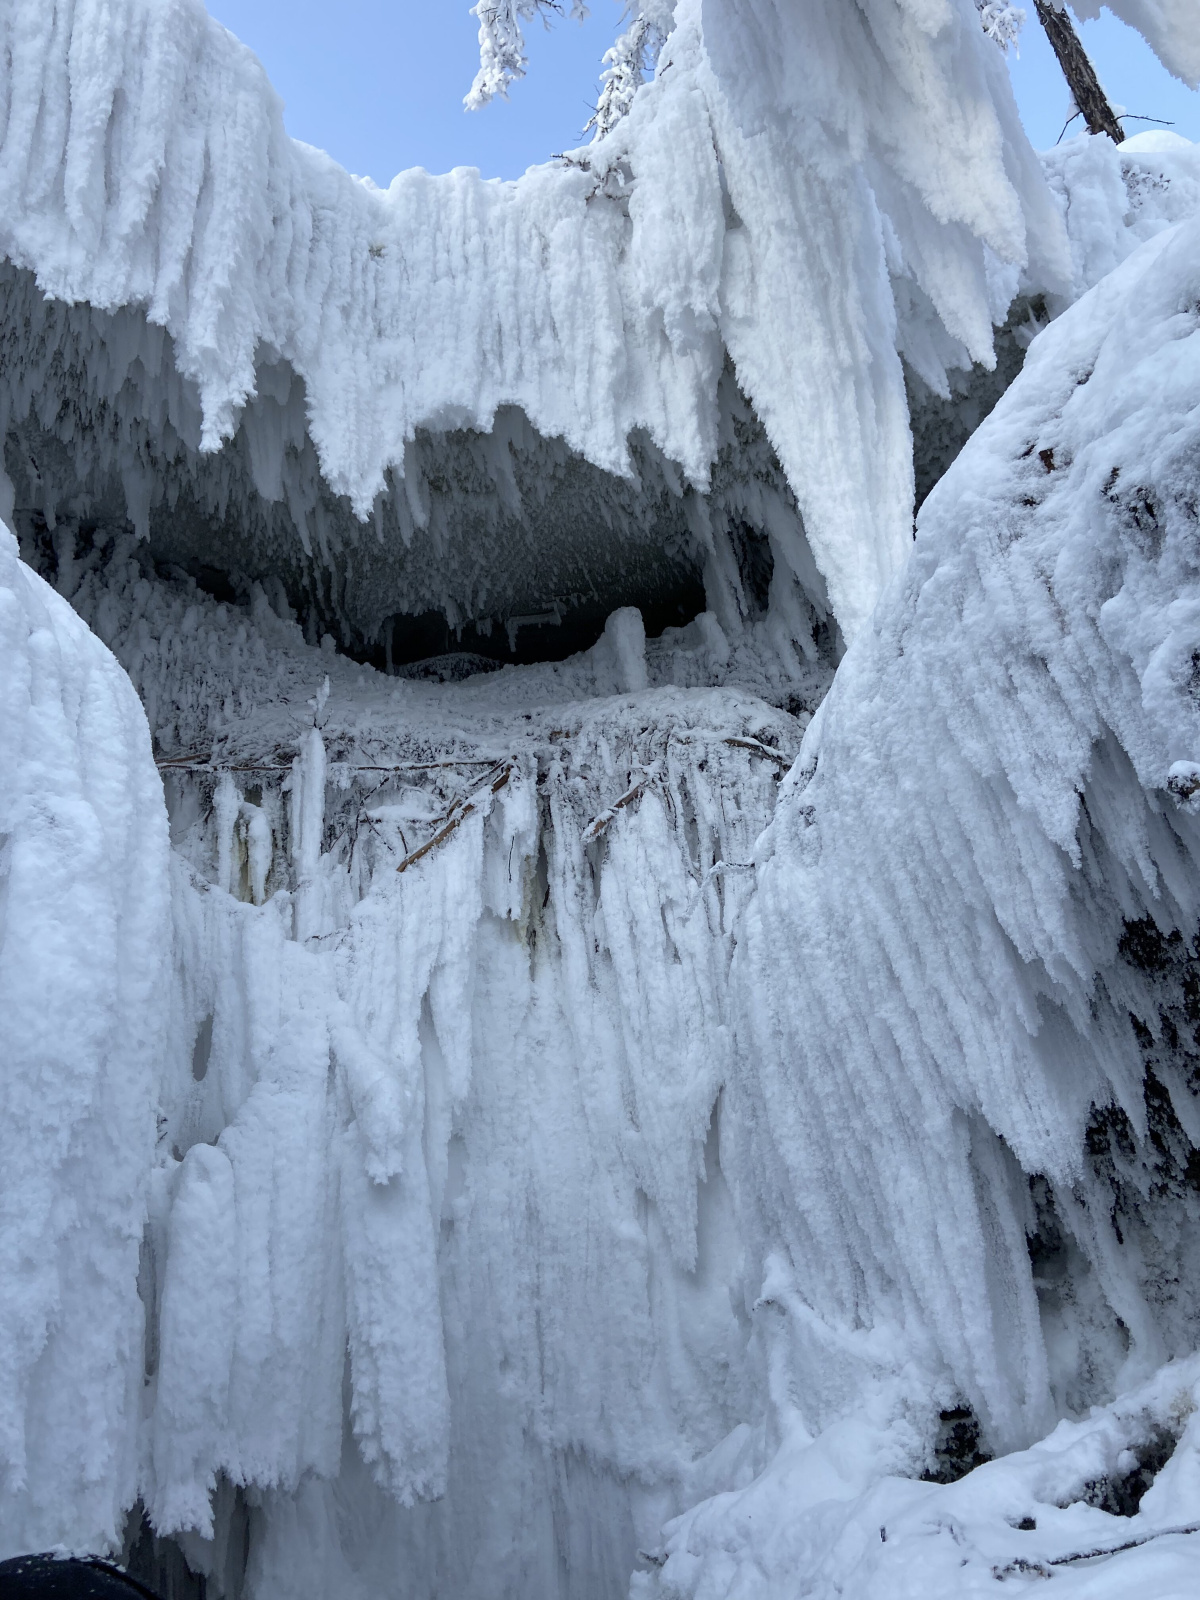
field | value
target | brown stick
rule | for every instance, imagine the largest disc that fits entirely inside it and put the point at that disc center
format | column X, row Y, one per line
column 1079, row 72
column 456, row 818
column 598, row 824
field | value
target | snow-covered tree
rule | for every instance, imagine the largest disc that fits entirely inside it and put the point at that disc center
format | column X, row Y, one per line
column 625, row 66
column 502, row 43
column 1002, row 21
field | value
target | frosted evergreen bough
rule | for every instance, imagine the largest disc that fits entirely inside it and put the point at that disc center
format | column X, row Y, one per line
column 625, row 66
column 709, row 1108
column 1001, row 21
column 502, row 44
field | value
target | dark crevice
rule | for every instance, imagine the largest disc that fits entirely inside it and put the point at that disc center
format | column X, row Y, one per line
column 1121, row 1494
column 958, row 1448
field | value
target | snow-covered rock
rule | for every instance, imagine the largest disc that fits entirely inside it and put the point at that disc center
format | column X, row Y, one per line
column 966, row 1088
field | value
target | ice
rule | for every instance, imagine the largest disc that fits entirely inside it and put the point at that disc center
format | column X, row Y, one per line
column 968, row 896
column 84, row 964
column 648, row 1114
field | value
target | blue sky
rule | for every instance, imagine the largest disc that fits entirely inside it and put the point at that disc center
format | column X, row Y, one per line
column 379, row 83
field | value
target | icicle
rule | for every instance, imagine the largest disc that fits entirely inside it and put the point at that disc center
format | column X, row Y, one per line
column 307, row 826
column 227, row 801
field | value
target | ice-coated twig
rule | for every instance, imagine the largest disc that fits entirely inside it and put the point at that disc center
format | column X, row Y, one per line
column 763, row 750
column 1115, row 1549
column 635, row 791
column 718, row 869
column 202, row 763
column 458, row 814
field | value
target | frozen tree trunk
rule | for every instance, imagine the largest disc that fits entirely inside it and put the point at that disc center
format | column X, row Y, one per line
column 1078, row 71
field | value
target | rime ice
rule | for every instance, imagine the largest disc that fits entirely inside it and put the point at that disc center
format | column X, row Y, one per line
column 709, row 1116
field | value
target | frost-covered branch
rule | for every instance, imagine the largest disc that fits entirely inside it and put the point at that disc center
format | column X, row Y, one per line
column 1002, row 22
column 502, row 44
column 625, row 67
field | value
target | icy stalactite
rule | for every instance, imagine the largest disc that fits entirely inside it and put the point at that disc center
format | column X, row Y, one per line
column 84, row 930
column 484, row 528
column 505, row 495
column 144, row 164
column 1170, row 27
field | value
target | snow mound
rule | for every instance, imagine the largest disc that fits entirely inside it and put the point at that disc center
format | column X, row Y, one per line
column 1107, row 1507
column 84, row 937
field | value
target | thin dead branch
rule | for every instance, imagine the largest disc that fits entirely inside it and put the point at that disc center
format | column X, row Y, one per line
column 635, row 791
column 458, row 814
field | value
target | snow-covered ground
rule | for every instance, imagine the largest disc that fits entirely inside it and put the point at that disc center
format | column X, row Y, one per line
column 658, row 1116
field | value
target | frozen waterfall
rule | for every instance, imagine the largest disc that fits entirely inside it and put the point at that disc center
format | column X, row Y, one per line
column 581, row 1014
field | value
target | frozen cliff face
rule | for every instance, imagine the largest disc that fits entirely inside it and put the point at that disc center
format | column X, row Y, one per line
column 966, row 1093
column 438, row 1209
column 1112, row 200
column 558, row 1135
column 536, row 1104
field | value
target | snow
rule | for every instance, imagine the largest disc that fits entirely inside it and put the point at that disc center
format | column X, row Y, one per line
column 381, row 1084
column 1169, row 27
column 934, row 985
column 610, row 1116
column 850, row 1530
column 84, row 928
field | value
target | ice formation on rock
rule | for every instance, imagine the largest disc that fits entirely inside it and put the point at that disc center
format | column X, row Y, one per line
column 521, row 1112
column 966, row 959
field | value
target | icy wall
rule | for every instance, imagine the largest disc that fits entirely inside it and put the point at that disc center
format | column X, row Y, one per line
column 437, row 1124
column 966, row 962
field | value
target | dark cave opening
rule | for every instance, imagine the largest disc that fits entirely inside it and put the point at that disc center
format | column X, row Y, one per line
column 429, row 646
